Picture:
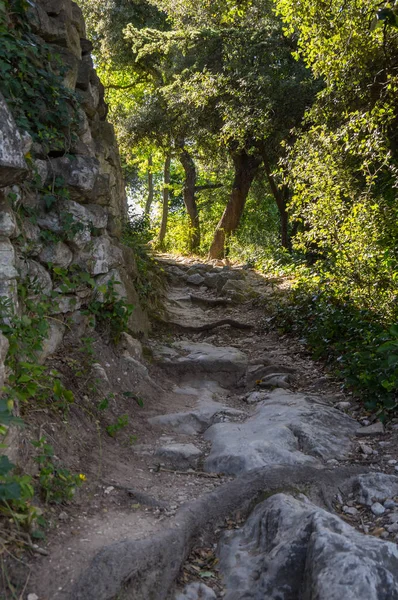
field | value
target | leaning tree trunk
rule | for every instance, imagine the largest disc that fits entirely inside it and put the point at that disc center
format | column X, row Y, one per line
column 166, row 195
column 150, row 187
column 246, row 167
column 189, row 197
column 281, row 196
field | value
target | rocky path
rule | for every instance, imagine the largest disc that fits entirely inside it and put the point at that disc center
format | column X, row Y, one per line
column 252, row 479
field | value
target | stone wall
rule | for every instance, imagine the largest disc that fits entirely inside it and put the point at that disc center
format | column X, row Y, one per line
column 95, row 204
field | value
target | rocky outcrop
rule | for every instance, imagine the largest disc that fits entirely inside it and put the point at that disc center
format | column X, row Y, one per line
column 80, row 227
column 291, row 549
column 287, row 428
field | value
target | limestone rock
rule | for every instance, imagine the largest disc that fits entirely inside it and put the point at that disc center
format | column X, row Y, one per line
column 377, row 509
column 58, row 254
column 199, row 268
column 289, row 549
column 255, row 397
column 74, row 220
column 224, row 364
column 371, row 430
column 234, row 286
column 8, row 223
column 179, row 456
column 80, row 174
column 100, row 378
column 40, row 167
column 197, row 591
column 219, row 279
column 374, row 487
column 65, row 304
column 13, row 167
column 196, row 421
column 286, row 429
column 37, row 277
column 100, row 256
column 124, row 289
column 132, row 366
column 131, row 345
column 195, row 279
column 79, row 325
column 92, row 214
column 8, row 290
column 52, row 341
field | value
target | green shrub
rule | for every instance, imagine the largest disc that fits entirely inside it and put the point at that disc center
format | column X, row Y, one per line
column 358, row 344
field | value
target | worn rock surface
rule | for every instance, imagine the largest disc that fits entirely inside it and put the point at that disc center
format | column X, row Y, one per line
column 292, row 550
column 374, row 487
column 196, row 421
column 286, row 429
column 197, row 591
column 223, row 364
column 181, row 456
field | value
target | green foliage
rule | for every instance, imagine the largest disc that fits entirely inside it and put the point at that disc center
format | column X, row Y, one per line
column 110, row 310
column 32, row 83
column 57, row 484
column 137, row 233
column 356, row 344
column 28, row 380
column 134, row 396
column 28, row 383
column 16, row 493
column 120, row 423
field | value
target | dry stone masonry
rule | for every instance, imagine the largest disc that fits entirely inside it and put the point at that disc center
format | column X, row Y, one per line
column 83, row 229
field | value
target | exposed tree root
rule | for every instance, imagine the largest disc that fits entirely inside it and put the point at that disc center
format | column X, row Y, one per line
column 210, row 301
column 147, row 569
column 210, row 326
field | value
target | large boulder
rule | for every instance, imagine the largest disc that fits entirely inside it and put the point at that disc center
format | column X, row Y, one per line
column 293, row 550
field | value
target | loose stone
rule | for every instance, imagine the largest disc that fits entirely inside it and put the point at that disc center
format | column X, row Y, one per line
column 350, row 510
column 371, row 430
column 377, row 509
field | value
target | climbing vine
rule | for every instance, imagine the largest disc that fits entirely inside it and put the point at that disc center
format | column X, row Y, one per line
column 32, row 81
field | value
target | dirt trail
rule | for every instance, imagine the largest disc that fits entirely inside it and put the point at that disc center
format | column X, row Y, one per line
column 231, row 415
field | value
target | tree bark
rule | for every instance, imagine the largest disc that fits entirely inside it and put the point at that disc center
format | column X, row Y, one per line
column 246, row 167
column 281, row 196
column 166, row 195
column 189, row 197
column 150, row 187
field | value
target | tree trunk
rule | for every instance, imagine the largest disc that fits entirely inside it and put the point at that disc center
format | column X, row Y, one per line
column 189, row 197
column 150, row 187
column 166, row 195
column 246, row 167
column 281, row 196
